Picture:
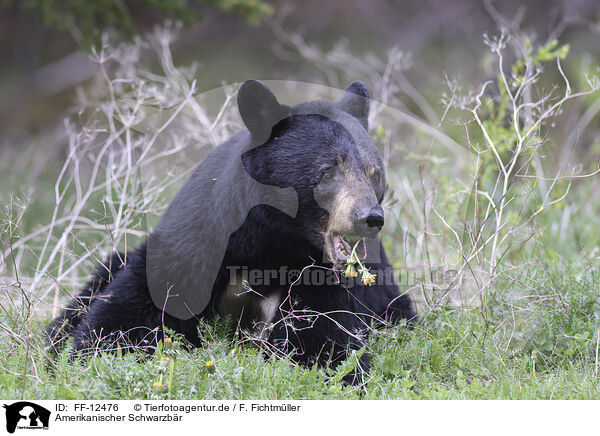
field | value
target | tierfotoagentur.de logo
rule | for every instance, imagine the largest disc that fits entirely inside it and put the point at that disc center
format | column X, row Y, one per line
column 24, row 415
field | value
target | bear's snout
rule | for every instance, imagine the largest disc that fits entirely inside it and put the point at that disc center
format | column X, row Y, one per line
column 368, row 221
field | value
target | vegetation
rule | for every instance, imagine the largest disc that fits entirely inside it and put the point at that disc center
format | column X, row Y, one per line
column 545, row 349
column 87, row 19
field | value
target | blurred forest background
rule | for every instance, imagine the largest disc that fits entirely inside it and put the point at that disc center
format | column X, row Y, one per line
column 40, row 42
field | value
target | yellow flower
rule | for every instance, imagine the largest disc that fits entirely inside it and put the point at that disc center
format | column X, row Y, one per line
column 351, row 271
column 210, row 365
column 368, row 278
column 158, row 387
column 168, row 343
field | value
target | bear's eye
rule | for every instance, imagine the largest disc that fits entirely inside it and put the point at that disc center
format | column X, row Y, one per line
column 376, row 178
column 327, row 174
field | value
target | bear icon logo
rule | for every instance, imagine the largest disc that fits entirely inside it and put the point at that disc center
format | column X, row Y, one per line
column 26, row 415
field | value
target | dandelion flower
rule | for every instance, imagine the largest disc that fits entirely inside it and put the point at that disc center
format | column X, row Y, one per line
column 368, row 278
column 351, row 271
column 158, row 387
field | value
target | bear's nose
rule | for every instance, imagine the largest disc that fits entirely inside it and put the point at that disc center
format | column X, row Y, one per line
column 370, row 220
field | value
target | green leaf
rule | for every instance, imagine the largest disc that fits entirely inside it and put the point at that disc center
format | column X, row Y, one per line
column 349, row 365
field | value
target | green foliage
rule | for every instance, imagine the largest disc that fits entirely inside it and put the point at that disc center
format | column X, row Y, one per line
column 496, row 113
column 512, row 124
column 567, row 329
column 92, row 17
column 546, row 53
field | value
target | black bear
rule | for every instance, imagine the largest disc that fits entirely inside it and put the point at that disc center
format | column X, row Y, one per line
column 267, row 229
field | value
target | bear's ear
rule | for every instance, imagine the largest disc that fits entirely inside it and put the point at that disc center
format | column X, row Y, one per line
column 356, row 102
column 259, row 109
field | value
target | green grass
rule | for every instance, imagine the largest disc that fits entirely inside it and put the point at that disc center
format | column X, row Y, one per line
column 539, row 344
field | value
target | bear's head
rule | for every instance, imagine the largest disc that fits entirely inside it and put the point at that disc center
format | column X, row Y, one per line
column 323, row 151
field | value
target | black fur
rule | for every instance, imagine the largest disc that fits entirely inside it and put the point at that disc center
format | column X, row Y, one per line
column 314, row 323
column 62, row 326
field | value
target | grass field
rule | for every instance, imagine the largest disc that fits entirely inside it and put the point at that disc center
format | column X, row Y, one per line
column 538, row 346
